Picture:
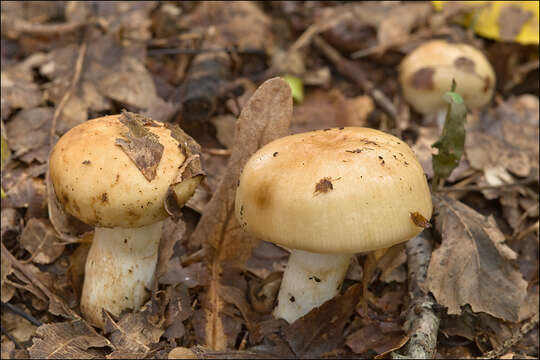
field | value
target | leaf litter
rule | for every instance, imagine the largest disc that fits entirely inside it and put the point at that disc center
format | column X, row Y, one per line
column 220, row 290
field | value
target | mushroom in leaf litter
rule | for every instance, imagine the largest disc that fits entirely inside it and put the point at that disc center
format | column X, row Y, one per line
column 326, row 195
column 426, row 74
column 115, row 172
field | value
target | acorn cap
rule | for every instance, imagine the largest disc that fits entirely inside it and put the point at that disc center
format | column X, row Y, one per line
column 427, row 73
column 96, row 181
column 343, row 190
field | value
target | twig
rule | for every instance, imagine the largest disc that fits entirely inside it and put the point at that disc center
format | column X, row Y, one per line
column 488, row 187
column 527, row 231
column 508, row 343
column 16, row 27
column 216, row 151
column 21, row 313
column 422, row 321
column 69, row 92
column 351, row 70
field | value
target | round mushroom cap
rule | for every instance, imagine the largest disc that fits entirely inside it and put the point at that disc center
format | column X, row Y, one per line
column 343, row 190
column 96, row 181
column 427, row 73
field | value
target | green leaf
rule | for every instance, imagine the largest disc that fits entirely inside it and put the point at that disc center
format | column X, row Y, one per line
column 5, row 153
column 452, row 140
column 297, row 87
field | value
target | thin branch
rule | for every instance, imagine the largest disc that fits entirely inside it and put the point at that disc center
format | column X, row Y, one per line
column 422, row 319
column 354, row 72
column 488, row 187
column 21, row 313
column 70, row 91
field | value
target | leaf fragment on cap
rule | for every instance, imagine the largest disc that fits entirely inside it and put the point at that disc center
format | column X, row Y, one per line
column 419, row 220
column 140, row 145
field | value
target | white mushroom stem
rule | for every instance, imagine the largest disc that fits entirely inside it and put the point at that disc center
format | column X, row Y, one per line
column 441, row 117
column 309, row 280
column 119, row 268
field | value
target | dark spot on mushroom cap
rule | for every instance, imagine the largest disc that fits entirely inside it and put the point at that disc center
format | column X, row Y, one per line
column 423, row 78
column 86, row 162
column 315, row 278
column 104, row 198
column 292, row 299
column 465, row 64
column 323, row 186
column 263, row 194
column 275, row 154
column 487, row 84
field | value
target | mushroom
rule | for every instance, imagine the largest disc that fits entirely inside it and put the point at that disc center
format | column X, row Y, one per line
column 97, row 182
column 326, row 195
column 426, row 75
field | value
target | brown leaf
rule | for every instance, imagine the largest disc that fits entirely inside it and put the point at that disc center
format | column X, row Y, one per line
column 178, row 310
column 24, row 190
column 400, row 20
column 68, row 340
column 28, row 133
column 193, row 275
column 320, row 330
column 18, row 89
column 472, row 264
column 77, row 263
column 40, row 240
column 29, row 274
column 68, row 227
column 265, row 117
column 172, row 232
column 140, row 145
column 420, row 220
column 133, row 334
column 506, row 137
column 379, row 337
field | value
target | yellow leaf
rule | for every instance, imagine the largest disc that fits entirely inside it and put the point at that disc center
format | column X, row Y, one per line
column 501, row 20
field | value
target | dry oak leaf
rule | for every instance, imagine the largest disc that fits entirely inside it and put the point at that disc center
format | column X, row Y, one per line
column 68, row 340
column 40, row 240
column 472, row 264
column 266, row 117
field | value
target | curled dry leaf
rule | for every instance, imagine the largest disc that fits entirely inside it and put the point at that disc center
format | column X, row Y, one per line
column 40, row 240
column 132, row 335
column 320, row 330
column 140, row 145
column 68, row 340
column 472, row 265
column 265, row 117
column 507, row 137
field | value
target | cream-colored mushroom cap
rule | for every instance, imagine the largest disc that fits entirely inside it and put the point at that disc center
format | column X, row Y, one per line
column 427, row 73
column 342, row 190
column 99, row 184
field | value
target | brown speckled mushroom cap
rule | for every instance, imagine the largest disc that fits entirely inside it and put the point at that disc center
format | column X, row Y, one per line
column 343, row 190
column 427, row 73
column 99, row 184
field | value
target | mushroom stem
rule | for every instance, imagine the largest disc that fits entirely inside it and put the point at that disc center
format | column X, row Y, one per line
column 309, row 280
column 119, row 268
column 441, row 117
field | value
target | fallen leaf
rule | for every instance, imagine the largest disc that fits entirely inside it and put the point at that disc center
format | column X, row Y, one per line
column 68, row 340
column 18, row 89
column 172, row 233
column 178, row 310
column 320, row 330
column 77, row 264
column 265, row 117
column 140, row 145
column 133, row 334
column 376, row 337
column 506, row 137
column 39, row 239
column 401, row 20
column 472, row 264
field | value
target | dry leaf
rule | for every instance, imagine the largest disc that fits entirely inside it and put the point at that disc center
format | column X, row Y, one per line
column 140, row 145
column 507, row 137
column 40, row 240
column 265, row 117
column 472, row 264
column 18, row 89
column 320, row 330
column 68, row 340
column 133, row 334
column 400, row 20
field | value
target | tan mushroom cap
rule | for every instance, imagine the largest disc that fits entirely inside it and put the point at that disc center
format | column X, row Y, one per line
column 427, row 73
column 343, row 190
column 100, row 185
